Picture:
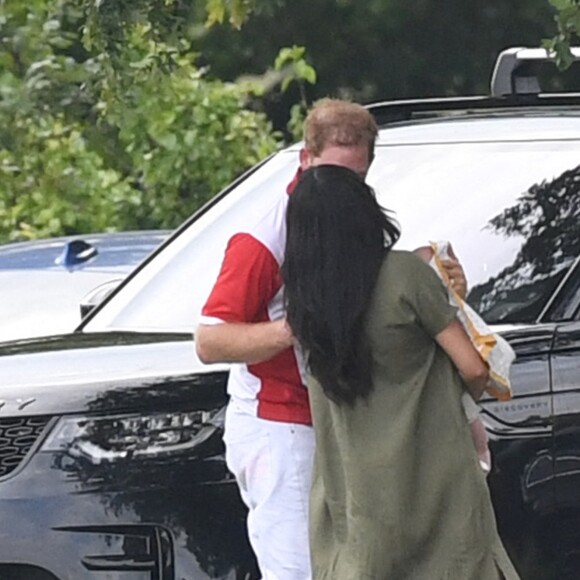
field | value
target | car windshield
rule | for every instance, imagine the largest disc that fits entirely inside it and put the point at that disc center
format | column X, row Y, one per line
column 505, row 192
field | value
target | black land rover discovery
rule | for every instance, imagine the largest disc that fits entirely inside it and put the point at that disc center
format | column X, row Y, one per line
column 111, row 459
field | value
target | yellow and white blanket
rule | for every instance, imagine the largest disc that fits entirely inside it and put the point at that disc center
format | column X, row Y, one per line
column 492, row 347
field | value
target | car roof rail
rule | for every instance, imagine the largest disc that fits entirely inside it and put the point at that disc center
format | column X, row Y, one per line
column 514, row 73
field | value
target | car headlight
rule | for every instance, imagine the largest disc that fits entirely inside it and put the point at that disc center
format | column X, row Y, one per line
column 112, row 438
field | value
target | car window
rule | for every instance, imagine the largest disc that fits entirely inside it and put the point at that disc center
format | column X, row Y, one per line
column 510, row 209
column 168, row 292
column 566, row 304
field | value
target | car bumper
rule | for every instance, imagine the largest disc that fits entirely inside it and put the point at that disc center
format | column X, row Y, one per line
column 165, row 521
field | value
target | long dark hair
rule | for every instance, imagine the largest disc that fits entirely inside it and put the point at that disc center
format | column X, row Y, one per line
column 337, row 237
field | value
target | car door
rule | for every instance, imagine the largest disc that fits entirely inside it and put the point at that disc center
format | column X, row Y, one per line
column 565, row 362
column 520, row 431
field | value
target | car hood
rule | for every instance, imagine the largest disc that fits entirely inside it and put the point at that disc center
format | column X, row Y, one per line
column 109, row 371
column 41, row 303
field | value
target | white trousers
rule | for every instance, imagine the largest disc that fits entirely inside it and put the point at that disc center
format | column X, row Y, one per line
column 272, row 463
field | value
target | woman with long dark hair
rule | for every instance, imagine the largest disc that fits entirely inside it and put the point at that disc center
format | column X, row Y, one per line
column 397, row 491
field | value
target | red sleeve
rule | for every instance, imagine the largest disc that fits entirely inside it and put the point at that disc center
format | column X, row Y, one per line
column 249, row 278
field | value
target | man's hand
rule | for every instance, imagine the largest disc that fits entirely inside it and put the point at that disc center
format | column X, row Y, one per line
column 456, row 274
column 242, row 342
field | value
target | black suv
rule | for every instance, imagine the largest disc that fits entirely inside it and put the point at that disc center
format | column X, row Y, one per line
column 111, row 459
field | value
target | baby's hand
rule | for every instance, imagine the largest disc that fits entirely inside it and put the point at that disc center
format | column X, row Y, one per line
column 425, row 253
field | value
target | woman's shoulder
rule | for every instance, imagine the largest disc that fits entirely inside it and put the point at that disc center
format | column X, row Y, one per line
column 407, row 269
column 404, row 260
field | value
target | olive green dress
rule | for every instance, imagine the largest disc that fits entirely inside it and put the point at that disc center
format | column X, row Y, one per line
column 397, row 492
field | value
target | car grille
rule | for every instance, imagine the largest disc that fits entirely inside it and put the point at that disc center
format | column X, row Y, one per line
column 17, row 436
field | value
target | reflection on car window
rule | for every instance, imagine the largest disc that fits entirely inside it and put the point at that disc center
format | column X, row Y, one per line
column 168, row 293
column 508, row 204
column 511, row 212
column 547, row 216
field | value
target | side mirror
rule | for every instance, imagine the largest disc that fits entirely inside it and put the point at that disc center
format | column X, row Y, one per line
column 96, row 296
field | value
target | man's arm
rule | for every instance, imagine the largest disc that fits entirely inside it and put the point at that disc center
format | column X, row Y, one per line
column 234, row 326
column 242, row 342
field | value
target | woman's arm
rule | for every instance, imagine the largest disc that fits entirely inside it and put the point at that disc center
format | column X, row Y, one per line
column 454, row 341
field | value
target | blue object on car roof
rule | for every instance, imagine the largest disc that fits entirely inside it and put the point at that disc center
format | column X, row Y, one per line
column 76, row 252
column 43, row 282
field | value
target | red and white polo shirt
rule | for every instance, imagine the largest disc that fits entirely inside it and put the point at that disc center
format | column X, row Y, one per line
column 249, row 289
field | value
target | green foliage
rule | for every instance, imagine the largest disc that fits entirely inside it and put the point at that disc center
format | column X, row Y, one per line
column 237, row 11
column 301, row 70
column 108, row 20
column 115, row 129
column 568, row 21
column 186, row 137
column 293, row 61
column 379, row 49
column 52, row 183
column 121, row 99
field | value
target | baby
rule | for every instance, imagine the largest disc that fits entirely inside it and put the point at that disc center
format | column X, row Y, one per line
column 478, row 432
